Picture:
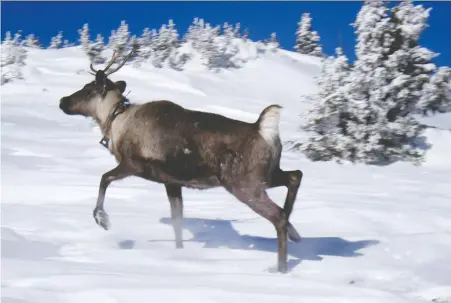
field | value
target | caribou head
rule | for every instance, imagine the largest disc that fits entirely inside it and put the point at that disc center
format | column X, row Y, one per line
column 89, row 101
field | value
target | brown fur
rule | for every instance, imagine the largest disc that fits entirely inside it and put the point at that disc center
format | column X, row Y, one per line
column 163, row 142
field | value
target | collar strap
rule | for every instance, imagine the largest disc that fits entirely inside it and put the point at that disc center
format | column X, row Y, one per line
column 119, row 108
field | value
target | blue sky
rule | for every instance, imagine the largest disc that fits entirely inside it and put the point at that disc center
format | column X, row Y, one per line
column 331, row 19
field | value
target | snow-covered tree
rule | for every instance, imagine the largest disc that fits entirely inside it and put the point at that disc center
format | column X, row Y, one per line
column 32, row 42
column 326, row 120
column 203, row 38
column 410, row 22
column 436, row 94
column 165, row 43
column 228, row 30
column 375, row 90
column 273, row 43
column 120, row 40
column 134, row 45
column 145, row 42
column 217, row 51
column 56, row 41
column 13, row 56
column 66, row 43
column 223, row 48
column 195, row 31
column 410, row 64
column 307, row 40
column 84, row 37
column 245, row 36
column 367, row 82
column 208, row 46
column 236, row 30
column 95, row 49
column 111, row 39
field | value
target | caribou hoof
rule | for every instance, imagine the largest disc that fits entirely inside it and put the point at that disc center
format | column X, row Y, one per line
column 101, row 218
column 282, row 268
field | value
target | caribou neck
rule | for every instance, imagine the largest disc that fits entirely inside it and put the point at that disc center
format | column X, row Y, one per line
column 111, row 106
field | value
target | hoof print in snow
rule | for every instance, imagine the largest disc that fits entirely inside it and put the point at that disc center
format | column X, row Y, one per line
column 101, row 218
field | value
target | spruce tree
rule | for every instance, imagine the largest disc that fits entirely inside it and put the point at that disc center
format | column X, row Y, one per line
column 410, row 64
column 307, row 41
column 365, row 93
column 32, row 42
column 236, row 30
column 436, row 93
column 245, row 36
column 195, row 32
column 375, row 90
column 207, row 45
column 203, row 38
column 165, row 44
column 95, row 49
column 327, row 119
column 145, row 44
column 273, row 43
column 56, row 41
column 223, row 48
column 66, row 43
column 84, row 37
column 135, row 47
column 13, row 56
column 120, row 41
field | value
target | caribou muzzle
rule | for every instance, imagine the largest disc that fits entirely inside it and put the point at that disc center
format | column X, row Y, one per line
column 66, row 105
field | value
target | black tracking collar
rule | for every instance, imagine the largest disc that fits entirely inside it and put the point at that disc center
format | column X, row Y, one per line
column 118, row 109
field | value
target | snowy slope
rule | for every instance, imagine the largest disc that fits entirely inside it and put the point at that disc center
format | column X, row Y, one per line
column 370, row 234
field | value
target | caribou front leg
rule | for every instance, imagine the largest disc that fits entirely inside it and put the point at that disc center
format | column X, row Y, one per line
column 123, row 170
column 174, row 193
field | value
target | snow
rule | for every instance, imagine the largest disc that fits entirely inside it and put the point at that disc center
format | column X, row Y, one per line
column 370, row 234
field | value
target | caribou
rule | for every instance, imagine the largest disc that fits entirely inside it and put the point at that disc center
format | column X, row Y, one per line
column 163, row 142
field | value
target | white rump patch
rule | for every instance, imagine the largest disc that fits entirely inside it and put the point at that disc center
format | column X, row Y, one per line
column 269, row 124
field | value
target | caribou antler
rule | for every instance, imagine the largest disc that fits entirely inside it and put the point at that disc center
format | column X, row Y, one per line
column 120, row 65
column 113, row 58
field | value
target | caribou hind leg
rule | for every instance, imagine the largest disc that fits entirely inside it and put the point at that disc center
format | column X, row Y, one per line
column 292, row 180
column 251, row 191
column 259, row 201
column 174, row 193
column 123, row 170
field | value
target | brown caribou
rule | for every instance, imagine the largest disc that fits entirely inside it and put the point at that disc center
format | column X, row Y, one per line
column 163, row 142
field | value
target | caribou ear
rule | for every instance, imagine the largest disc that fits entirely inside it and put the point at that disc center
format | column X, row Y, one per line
column 121, row 85
column 100, row 78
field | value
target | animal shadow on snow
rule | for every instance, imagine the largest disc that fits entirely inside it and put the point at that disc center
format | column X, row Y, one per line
column 220, row 233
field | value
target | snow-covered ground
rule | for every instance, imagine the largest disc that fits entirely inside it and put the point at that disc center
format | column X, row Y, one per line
column 370, row 234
